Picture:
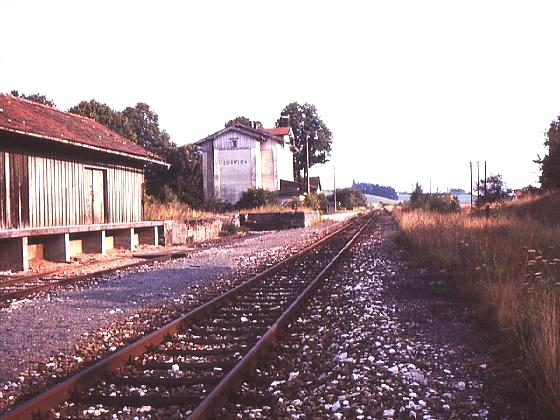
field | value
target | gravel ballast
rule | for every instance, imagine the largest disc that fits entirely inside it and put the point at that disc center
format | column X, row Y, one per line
column 383, row 340
column 40, row 334
column 379, row 340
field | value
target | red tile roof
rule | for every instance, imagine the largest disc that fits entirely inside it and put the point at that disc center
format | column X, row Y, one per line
column 27, row 117
column 278, row 131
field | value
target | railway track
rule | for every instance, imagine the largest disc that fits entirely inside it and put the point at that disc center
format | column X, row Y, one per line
column 27, row 285
column 189, row 367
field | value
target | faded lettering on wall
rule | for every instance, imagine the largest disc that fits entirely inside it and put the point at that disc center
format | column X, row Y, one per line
column 234, row 162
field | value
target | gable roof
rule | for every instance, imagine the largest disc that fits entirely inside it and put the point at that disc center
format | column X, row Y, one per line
column 278, row 131
column 33, row 119
column 258, row 133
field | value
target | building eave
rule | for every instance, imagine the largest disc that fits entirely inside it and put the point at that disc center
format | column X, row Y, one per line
column 257, row 134
column 87, row 146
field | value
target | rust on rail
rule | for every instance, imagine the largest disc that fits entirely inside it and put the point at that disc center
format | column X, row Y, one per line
column 41, row 404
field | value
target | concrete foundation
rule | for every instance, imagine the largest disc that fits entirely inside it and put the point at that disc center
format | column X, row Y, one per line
column 274, row 221
column 35, row 251
column 75, row 247
column 13, row 254
column 180, row 232
column 59, row 244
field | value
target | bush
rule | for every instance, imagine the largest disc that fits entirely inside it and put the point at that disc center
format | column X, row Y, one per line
column 316, row 201
column 438, row 202
column 231, row 229
column 350, row 198
column 217, row 206
column 256, row 197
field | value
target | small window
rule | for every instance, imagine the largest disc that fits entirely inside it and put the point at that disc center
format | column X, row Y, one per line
column 234, row 144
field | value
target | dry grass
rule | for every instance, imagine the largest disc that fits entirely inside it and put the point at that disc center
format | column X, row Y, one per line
column 174, row 210
column 510, row 265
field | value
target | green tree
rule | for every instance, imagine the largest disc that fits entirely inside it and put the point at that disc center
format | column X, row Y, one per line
column 35, row 97
column 316, row 201
column 437, row 202
column 185, row 175
column 103, row 114
column 144, row 122
column 550, row 164
column 307, row 126
column 416, row 196
column 183, row 181
column 247, row 122
column 350, row 198
column 495, row 190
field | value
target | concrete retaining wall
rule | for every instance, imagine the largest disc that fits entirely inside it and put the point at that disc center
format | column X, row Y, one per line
column 273, row 221
column 180, row 232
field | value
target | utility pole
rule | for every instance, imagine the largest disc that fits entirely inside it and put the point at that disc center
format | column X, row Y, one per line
column 307, row 163
column 485, row 190
column 477, row 181
column 470, row 164
column 334, row 187
column 315, row 137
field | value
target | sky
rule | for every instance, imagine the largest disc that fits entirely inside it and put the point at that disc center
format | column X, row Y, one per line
column 412, row 91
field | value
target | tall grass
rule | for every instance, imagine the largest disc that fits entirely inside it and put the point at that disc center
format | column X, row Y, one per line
column 510, row 265
column 172, row 210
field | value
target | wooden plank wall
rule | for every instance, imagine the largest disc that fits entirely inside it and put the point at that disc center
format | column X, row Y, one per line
column 44, row 191
column 3, row 192
column 14, row 190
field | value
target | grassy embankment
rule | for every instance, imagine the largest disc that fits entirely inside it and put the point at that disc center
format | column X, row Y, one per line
column 510, row 265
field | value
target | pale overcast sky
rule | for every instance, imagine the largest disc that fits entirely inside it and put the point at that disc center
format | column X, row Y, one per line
column 412, row 90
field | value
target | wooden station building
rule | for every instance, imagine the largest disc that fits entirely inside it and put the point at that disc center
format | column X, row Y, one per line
column 67, row 185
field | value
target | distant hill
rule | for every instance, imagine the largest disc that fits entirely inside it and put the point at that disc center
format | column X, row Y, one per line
column 376, row 190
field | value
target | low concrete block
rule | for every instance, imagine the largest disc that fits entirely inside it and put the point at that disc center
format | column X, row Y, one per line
column 109, row 242
column 180, row 232
column 14, row 254
column 57, row 248
column 75, row 247
column 280, row 220
column 35, row 251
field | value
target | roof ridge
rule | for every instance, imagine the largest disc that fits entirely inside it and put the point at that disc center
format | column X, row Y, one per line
column 79, row 127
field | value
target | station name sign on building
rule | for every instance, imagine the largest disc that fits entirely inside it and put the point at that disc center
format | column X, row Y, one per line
column 234, row 162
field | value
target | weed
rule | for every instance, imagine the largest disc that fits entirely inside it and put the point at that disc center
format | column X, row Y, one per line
column 510, row 265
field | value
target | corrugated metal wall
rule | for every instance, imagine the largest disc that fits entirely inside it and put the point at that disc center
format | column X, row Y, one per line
column 44, row 191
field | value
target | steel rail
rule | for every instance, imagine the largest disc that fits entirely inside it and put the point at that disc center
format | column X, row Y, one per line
column 52, row 397
column 219, row 394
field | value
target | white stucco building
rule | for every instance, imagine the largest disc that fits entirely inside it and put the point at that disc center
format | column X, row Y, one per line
column 238, row 158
